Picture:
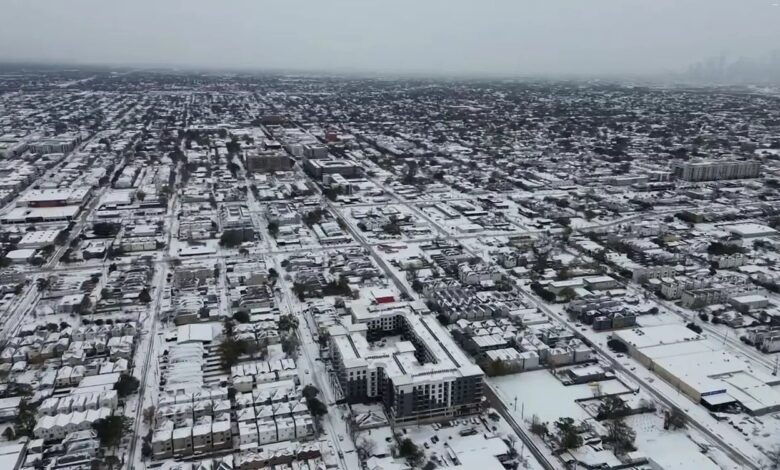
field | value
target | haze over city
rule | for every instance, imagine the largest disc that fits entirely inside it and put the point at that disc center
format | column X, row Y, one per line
column 458, row 37
column 407, row 235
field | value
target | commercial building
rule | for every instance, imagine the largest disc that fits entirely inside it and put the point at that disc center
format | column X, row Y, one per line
column 12, row 455
column 421, row 376
column 752, row 230
column 318, row 168
column 38, row 239
column 701, row 368
column 748, row 303
column 25, row 215
column 268, row 161
column 54, row 197
column 714, row 170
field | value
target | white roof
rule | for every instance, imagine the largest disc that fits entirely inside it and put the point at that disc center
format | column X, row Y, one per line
column 201, row 332
column 10, row 455
column 751, row 230
column 398, row 359
column 45, row 195
column 745, row 299
column 657, row 335
column 703, row 365
column 39, row 236
column 20, row 254
column 45, row 213
column 102, row 379
column 118, row 196
column 504, row 354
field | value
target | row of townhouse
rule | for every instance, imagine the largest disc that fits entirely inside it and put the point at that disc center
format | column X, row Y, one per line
column 245, row 377
column 195, row 437
column 765, row 338
column 180, row 413
column 72, row 353
column 269, row 393
column 272, row 412
column 79, row 402
column 477, row 274
column 457, row 302
column 715, row 294
column 305, row 456
column 253, row 434
column 561, row 352
column 211, row 394
column 104, row 331
column 116, row 348
column 56, row 427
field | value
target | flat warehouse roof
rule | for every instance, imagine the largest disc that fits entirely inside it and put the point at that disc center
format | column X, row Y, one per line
column 749, row 298
column 677, row 349
column 21, row 214
column 39, row 236
column 748, row 230
column 203, row 332
column 657, row 335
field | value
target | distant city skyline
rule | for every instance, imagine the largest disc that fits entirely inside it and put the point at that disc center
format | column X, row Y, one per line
column 456, row 37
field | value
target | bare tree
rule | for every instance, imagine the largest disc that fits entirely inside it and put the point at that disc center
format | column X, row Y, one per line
column 148, row 415
column 539, row 428
column 365, row 447
column 674, row 419
column 512, row 440
column 773, row 458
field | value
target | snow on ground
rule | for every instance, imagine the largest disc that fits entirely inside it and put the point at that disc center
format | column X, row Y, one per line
column 750, row 445
column 436, row 441
column 540, row 393
column 672, row 449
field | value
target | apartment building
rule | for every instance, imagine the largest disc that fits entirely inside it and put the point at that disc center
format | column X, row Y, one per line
column 714, row 170
column 423, row 377
column 318, row 168
column 236, row 218
column 268, row 161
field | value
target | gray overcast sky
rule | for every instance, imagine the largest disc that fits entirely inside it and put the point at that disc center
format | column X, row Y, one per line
column 526, row 37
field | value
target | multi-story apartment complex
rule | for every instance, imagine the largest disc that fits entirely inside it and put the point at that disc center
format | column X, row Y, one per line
column 713, row 170
column 268, row 161
column 236, row 218
column 59, row 144
column 396, row 354
column 318, row 168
